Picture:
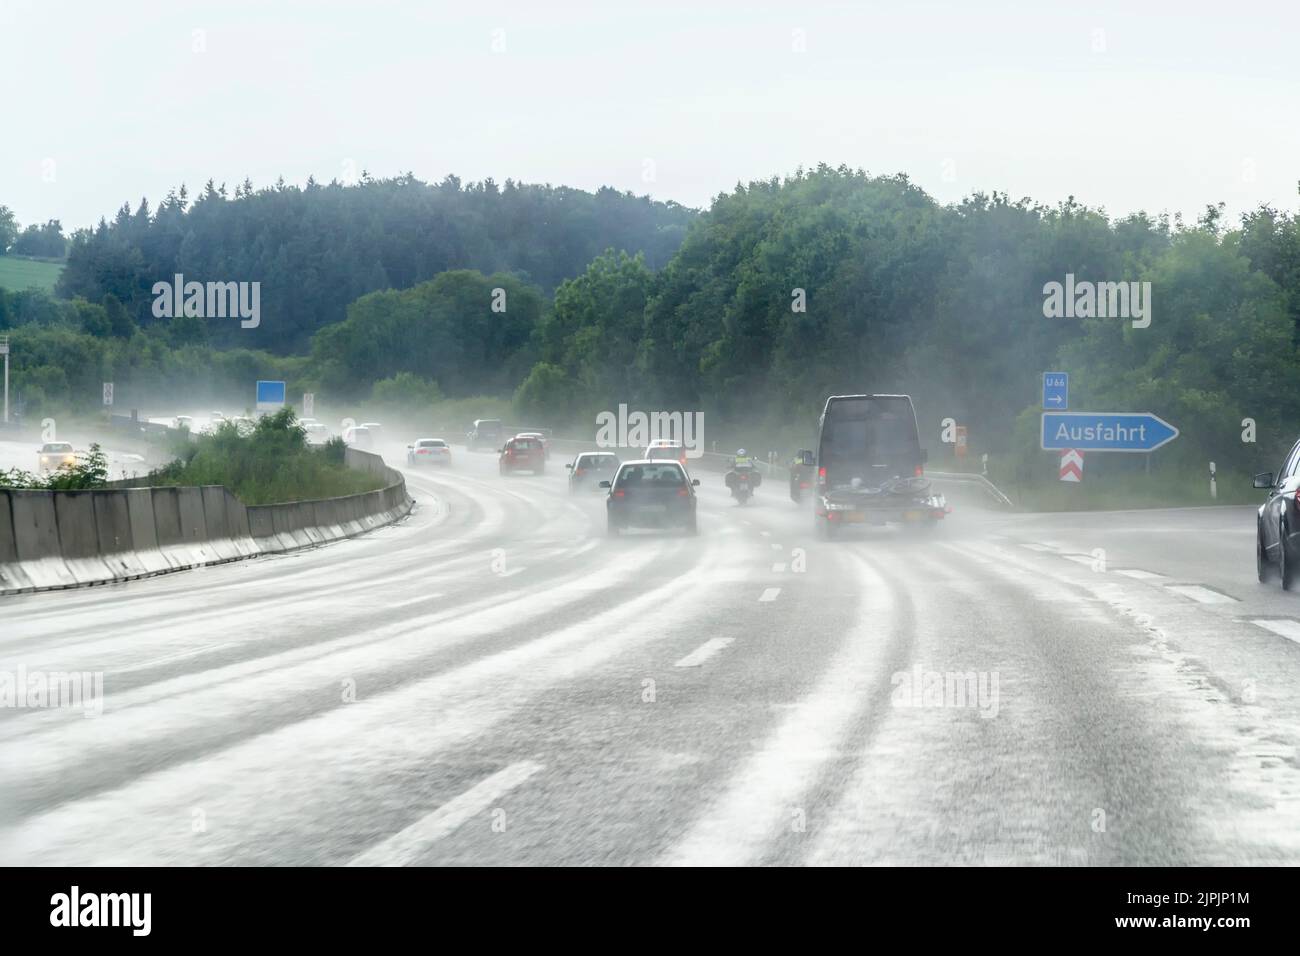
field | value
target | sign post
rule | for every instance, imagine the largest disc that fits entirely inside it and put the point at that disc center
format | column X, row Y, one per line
column 108, row 394
column 308, row 404
column 959, row 446
column 4, row 350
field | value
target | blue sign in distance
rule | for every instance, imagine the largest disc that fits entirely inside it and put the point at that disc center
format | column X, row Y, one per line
column 1056, row 391
column 1105, row 431
column 270, row 393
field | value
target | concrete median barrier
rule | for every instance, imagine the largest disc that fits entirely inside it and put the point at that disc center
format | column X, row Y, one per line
column 12, row 577
column 36, row 535
column 114, row 537
column 144, row 530
column 74, row 511
column 60, row 539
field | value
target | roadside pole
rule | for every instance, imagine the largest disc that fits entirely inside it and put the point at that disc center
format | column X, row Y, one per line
column 4, row 350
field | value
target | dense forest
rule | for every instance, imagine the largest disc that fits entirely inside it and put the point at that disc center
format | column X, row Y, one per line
column 782, row 292
column 316, row 249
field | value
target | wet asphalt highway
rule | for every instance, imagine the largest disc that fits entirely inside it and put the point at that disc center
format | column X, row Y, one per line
column 495, row 681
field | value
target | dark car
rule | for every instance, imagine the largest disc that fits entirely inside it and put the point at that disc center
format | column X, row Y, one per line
column 870, row 466
column 803, row 470
column 650, row 494
column 590, row 468
column 522, row 454
column 485, row 435
column 1277, row 527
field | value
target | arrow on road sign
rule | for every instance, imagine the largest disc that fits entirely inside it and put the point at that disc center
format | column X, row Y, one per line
column 1105, row 431
column 1056, row 390
column 1071, row 465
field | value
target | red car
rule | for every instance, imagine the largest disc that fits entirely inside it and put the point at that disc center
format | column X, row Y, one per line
column 522, row 454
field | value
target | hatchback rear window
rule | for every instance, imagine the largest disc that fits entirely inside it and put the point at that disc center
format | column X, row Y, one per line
column 654, row 475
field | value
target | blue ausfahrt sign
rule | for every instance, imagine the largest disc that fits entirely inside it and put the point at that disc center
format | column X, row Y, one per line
column 1105, row 431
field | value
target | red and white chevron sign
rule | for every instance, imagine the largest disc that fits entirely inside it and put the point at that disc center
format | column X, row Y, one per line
column 1071, row 465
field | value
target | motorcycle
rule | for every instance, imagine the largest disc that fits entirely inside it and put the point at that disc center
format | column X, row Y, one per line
column 743, row 482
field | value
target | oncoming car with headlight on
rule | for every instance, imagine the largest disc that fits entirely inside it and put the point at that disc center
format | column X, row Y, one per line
column 55, row 455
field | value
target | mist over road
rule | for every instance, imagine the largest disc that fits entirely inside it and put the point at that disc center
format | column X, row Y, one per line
column 496, row 681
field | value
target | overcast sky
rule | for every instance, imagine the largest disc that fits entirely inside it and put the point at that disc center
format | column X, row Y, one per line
column 1167, row 107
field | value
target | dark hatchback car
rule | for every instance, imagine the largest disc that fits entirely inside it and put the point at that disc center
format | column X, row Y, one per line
column 651, row 494
column 522, row 454
column 589, row 469
column 1277, row 527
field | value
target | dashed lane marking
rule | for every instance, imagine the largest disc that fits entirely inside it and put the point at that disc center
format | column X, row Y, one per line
column 1139, row 575
column 770, row 594
column 407, row 846
column 1201, row 594
column 1281, row 627
column 702, row 653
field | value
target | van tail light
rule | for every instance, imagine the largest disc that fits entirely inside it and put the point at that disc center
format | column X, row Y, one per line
column 919, row 471
column 821, row 477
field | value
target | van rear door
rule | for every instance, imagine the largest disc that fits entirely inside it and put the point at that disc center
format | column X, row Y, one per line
column 869, row 437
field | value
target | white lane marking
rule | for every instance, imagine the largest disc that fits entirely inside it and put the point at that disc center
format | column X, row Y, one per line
column 406, row 846
column 512, row 572
column 1283, row 628
column 1036, row 547
column 702, row 653
column 766, row 534
column 1201, row 594
column 1080, row 558
column 381, row 737
column 416, row 600
column 770, row 594
column 172, row 658
column 778, row 568
column 776, row 547
column 1139, row 575
column 755, row 806
column 746, row 523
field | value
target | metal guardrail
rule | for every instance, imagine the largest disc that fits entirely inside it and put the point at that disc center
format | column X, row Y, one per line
column 979, row 481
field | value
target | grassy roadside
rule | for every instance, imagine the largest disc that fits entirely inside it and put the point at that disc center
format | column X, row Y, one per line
column 273, row 464
column 1119, row 492
column 17, row 274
